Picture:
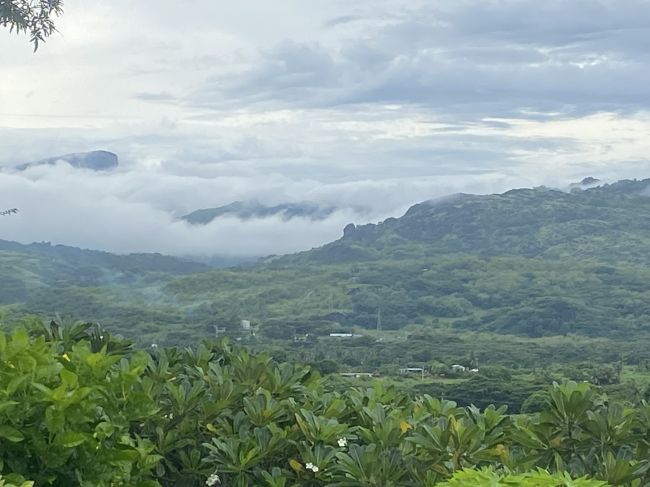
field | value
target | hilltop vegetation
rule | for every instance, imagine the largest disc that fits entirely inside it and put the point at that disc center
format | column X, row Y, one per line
column 252, row 209
column 534, row 223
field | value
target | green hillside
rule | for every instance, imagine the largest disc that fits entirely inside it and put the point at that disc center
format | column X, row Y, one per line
column 46, row 279
column 610, row 223
column 532, row 262
column 532, row 280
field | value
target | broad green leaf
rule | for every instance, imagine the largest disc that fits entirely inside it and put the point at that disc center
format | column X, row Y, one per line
column 10, row 433
column 70, row 439
column 20, row 339
column 69, row 378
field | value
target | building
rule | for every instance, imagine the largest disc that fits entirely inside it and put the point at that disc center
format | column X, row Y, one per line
column 412, row 370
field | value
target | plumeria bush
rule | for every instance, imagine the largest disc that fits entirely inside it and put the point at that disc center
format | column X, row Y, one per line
column 14, row 481
column 79, row 407
column 488, row 477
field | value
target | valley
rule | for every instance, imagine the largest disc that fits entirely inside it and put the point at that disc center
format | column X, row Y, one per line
column 534, row 285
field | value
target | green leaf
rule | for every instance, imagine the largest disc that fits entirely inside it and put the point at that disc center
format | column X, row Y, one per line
column 20, row 339
column 70, row 439
column 15, row 383
column 7, row 404
column 10, row 433
column 69, row 378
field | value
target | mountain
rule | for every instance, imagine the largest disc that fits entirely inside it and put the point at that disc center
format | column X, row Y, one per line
column 98, row 160
column 529, row 262
column 74, row 257
column 533, row 223
column 45, row 279
column 41, row 265
column 588, row 182
column 252, row 209
column 535, row 262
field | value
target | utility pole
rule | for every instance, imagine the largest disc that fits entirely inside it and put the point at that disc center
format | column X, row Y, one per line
column 378, row 319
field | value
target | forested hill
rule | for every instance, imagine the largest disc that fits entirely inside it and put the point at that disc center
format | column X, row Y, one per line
column 48, row 279
column 62, row 262
column 533, row 262
column 609, row 223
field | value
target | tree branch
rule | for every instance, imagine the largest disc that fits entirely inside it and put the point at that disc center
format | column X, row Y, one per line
column 33, row 17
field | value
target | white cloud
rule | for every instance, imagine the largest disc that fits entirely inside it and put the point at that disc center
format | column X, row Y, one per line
column 369, row 106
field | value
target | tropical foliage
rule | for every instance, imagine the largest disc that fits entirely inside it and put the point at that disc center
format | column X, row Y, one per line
column 79, row 407
column 541, row 478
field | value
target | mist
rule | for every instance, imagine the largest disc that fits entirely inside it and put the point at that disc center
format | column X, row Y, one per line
column 368, row 107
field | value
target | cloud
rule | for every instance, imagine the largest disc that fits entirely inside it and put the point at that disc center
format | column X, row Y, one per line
column 162, row 96
column 76, row 207
column 370, row 106
column 140, row 203
column 476, row 58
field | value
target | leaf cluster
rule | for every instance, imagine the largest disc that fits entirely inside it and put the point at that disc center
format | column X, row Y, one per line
column 33, row 17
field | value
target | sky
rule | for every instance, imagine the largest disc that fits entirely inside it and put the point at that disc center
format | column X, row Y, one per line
column 368, row 106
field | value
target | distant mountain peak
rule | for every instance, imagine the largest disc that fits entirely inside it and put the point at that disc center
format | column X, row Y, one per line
column 588, row 182
column 98, row 160
column 248, row 210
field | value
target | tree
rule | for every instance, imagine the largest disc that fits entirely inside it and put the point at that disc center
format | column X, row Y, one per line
column 10, row 211
column 33, row 17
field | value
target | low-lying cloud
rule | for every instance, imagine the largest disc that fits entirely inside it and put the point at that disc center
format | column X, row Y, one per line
column 137, row 211
column 368, row 106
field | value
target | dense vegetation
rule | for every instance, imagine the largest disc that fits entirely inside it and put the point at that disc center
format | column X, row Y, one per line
column 79, row 407
column 530, row 286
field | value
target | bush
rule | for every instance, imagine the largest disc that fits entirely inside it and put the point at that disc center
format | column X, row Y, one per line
column 14, row 481
column 78, row 409
column 489, row 478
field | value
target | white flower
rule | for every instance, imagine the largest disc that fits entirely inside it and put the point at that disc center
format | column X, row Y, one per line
column 314, row 469
column 309, row 466
column 213, row 480
column 343, row 442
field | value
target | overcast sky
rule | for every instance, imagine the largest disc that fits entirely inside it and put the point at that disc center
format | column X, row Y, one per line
column 370, row 106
